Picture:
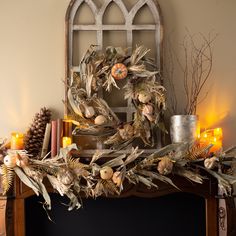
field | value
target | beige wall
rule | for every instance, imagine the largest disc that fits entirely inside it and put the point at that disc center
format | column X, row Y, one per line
column 205, row 16
column 32, row 58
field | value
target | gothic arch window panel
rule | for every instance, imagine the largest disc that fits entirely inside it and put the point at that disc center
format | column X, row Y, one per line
column 119, row 23
column 106, row 22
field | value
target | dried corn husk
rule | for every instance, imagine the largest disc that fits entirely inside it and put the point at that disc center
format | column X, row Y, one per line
column 74, row 202
column 118, row 161
column 138, row 54
column 73, row 104
column 157, row 176
column 195, row 177
column 110, row 81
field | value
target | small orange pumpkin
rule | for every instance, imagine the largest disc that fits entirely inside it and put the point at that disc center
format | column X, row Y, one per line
column 119, row 71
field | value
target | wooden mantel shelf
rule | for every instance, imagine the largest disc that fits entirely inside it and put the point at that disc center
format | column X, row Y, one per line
column 12, row 207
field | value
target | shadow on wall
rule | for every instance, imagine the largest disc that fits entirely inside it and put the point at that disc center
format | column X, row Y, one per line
column 176, row 214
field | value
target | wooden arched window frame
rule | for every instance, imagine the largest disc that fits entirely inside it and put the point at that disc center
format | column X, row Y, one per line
column 131, row 28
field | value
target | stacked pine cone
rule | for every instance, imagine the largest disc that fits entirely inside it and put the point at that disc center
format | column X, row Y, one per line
column 35, row 134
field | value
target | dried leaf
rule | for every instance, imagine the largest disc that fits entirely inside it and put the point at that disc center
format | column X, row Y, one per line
column 104, row 104
column 230, row 150
column 115, row 162
column 138, row 54
column 7, row 175
column 74, row 202
column 109, row 187
column 73, row 104
column 154, row 175
column 45, row 195
column 146, row 181
column 74, row 163
column 146, row 73
column 223, row 183
column 99, row 189
column 89, row 79
column 133, row 155
column 231, row 179
column 95, row 169
column 110, row 81
column 155, row 156
column 97, row 155
column 27, row 180
column 114, row 139
column 61, row 188
column 188, row 174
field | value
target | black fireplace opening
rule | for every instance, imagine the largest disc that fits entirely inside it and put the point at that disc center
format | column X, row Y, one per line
column 179, row 214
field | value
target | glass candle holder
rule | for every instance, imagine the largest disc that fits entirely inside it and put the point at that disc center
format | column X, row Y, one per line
column 212, row 136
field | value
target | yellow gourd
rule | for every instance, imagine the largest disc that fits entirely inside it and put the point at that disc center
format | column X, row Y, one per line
column 10, row 161
column 106, row 173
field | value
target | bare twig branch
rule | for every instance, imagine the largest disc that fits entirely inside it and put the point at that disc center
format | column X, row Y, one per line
column 195, row 66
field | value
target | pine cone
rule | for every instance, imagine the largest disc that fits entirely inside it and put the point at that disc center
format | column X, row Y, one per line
column 35, row 134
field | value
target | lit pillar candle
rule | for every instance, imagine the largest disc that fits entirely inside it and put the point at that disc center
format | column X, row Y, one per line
column 17, row 141
column 212, row 136
column 66, row 141
column 218, row 133
column 217, row 145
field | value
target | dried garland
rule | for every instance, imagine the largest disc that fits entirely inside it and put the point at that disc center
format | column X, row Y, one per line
column 100, row 70
column 72, row 178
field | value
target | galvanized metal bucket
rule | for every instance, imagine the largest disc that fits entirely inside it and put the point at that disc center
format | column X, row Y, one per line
column 184, row 128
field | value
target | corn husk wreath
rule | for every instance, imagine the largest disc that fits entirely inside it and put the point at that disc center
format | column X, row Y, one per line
column 72, row 178
column 99, row 71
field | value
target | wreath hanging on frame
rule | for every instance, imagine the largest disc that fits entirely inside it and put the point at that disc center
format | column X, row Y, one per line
column 100, row 70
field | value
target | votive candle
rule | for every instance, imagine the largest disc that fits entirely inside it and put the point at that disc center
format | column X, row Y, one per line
column 66, row 141
column 17, row 141
column 212, row 136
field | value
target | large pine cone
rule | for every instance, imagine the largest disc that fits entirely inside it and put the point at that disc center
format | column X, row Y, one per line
column 35, row 134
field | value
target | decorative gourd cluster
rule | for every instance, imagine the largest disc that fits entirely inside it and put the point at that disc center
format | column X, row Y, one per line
column 101, row 71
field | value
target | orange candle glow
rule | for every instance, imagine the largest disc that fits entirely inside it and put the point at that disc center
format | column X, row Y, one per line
column 212, row 136
column 66, row 141
column 218, row 133
column 17, row 141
